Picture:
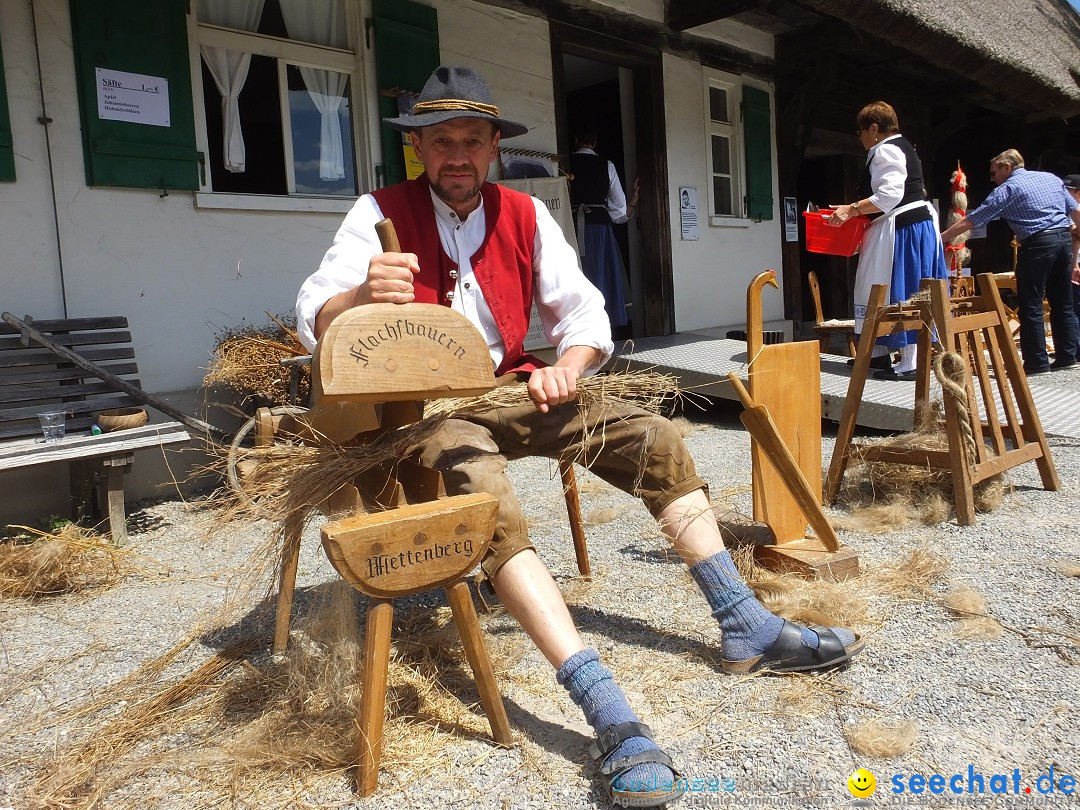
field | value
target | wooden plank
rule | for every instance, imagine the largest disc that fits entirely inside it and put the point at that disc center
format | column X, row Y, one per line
column 33, row 385
column 411, row 548
column 27, row 452
column 43, row 357
column 70, row 340
column 71, row 324
column 18, row 377
column 385, row 352
column 779, row 379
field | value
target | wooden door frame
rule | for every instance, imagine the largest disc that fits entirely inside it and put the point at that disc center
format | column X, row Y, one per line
column 649, row 122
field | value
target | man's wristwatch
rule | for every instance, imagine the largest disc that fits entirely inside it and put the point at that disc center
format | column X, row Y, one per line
column 855, row 206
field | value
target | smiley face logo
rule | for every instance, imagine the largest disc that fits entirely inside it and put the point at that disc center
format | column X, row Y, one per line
column 862, row 784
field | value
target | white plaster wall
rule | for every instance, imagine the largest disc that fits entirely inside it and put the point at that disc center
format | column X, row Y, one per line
column 512, row 51
column 710, row 274
column 648, row 9
column 737, row 34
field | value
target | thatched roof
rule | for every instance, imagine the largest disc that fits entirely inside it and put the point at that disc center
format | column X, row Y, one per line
column 1036, row 41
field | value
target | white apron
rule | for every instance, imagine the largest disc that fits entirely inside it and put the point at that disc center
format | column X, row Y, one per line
column 876, row 257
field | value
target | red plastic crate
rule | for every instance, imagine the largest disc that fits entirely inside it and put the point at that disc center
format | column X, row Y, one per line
column 836, row 240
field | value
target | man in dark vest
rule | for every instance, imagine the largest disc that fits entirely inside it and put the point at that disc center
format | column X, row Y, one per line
column 490, row 253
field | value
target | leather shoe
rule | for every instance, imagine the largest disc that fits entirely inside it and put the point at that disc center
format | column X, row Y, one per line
column 892, row 374
column 1058, row 365
column 881, row 361
column 1040, row 370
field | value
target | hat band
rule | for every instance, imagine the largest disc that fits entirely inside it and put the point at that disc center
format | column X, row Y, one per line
column 455, row 104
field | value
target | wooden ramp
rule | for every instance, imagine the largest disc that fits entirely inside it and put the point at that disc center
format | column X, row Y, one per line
column 702, row 362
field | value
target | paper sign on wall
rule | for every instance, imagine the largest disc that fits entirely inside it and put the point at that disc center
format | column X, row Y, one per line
column 688, row 225
column 132, row 97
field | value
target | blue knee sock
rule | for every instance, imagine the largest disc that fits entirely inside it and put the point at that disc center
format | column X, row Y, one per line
column 592, row 687
column 748, row 628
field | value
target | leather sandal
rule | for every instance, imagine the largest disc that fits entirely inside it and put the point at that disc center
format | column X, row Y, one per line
column 613, row 770
column 789, row 654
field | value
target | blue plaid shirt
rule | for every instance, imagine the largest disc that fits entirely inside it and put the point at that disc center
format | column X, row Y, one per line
column 1029, row 201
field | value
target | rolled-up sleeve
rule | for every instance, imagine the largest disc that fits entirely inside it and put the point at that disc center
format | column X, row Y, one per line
column 571, row 308
column 888, row 174
column 344, row 266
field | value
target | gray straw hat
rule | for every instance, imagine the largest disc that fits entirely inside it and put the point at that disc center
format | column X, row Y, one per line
column 455, row 92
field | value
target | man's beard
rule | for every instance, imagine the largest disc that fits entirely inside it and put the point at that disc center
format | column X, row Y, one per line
column 456, row 194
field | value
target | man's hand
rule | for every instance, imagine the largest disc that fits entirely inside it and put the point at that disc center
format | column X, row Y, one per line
column 557, row 384
column 389, row 280
column 553, row 385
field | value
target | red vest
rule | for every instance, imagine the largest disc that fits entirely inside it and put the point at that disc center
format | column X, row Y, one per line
column 502, row 266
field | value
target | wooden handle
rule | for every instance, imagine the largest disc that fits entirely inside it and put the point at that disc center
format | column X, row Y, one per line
column 387, row 236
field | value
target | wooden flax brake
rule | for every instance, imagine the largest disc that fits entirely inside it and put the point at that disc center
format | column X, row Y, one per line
column 401, row 534
column 81, row 366
column 990, row 420
column 784, row 382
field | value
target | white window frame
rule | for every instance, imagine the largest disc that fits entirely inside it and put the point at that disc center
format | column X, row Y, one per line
column 294, row 53
column 733, row 130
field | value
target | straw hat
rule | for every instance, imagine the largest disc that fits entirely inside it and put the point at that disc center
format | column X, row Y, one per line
column 455, row 92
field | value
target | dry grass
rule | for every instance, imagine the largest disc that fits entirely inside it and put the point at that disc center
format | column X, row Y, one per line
column 246, row 360
column 875, row 738
column 887, row 497
column 40, row 564
column 912, row 576
column 970, row 607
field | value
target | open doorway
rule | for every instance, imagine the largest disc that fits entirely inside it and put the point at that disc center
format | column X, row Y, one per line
column 593, row 95
column 620, row 90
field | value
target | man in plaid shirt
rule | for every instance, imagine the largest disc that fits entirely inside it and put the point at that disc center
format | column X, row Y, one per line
column 1038, row 209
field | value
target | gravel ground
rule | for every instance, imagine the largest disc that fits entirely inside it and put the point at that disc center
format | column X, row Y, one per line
column 997, row 705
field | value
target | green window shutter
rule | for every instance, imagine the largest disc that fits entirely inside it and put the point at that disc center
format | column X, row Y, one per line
column 149, row 39
column 7, row 145
column 757, row 129
column 406, row 53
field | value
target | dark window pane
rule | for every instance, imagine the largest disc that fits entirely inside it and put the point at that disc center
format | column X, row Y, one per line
column 718, row 109
column 721, row 155
column 722, row 196
column 260, row 120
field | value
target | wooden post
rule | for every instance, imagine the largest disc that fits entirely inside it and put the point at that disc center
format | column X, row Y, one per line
column 290, row 558
column 461, row 606
column 380, row 620
column 573, row 512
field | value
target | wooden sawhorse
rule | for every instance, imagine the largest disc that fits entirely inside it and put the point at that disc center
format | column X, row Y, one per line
column 990, row 420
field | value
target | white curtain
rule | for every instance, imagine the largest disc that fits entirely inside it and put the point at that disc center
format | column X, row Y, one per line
column 230, row 69
column 322, row 22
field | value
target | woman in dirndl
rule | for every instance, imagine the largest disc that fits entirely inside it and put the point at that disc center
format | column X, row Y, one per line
column 598, row 200
column 901, row 245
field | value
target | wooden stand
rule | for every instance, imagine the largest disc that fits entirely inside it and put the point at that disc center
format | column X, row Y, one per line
column 976, row 331
column 785, row 379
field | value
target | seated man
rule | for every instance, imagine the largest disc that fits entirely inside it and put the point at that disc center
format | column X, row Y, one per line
column 489, row 253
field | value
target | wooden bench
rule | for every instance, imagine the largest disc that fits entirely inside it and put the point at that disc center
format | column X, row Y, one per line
column 35, row 379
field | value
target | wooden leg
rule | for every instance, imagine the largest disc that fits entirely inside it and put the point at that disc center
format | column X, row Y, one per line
column 290, row 559
column 380, row 619
column 113, row 472
column 846, row 432
column 461, row 606
column 573, row 512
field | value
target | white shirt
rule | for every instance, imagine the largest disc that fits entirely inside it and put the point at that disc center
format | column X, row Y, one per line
column 888, row 174
column 616, row 197
column 571, row 308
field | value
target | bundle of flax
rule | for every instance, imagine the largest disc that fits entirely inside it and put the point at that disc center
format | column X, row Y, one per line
column 70, row 559
column 291, row 479
column 247, row 361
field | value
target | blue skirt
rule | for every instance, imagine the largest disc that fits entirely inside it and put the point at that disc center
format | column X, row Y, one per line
column 602, row 265
column 917, row 254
